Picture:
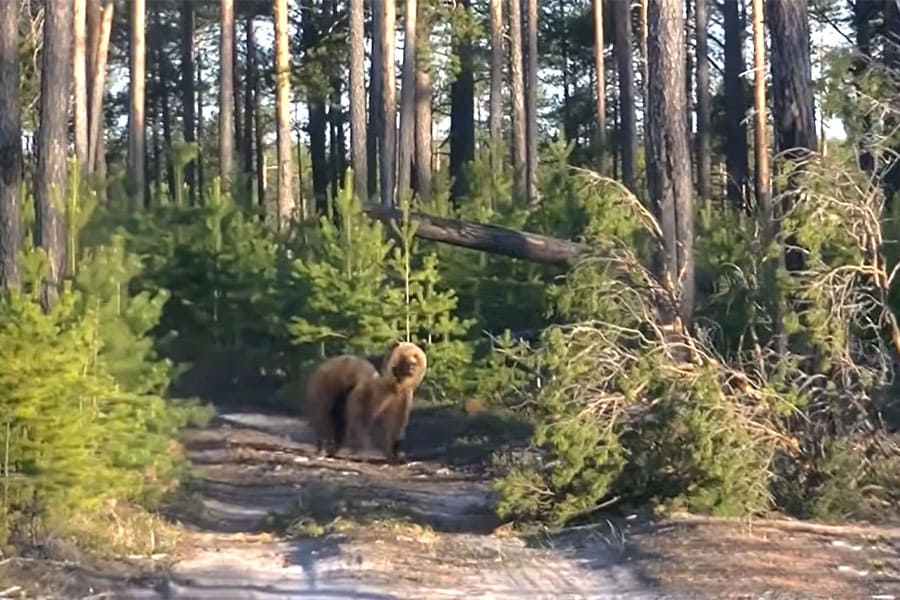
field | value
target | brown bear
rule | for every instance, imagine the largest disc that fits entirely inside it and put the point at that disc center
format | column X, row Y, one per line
column 326, row 398
column 386, row 400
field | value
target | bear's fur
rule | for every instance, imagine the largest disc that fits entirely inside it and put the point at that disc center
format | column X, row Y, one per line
column 326, row 398
column 386, row 399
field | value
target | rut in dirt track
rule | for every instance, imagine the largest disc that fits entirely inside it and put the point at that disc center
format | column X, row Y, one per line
column 251, row 466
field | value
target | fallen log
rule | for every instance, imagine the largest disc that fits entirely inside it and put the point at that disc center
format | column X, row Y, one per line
column 531, row 247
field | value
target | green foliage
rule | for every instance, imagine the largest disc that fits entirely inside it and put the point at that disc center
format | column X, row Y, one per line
column 85, row 422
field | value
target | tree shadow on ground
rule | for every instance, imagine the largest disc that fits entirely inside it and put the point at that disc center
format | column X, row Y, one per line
column 251, row 467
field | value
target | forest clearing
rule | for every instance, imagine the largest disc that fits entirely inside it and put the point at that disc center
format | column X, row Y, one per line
column 608, row 286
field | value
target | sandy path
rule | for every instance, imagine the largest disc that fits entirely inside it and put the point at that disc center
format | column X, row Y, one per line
column 252, row 465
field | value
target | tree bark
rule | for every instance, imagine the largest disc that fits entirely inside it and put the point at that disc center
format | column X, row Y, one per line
column 358, row 142
column 237, row 98
column 52, row 138
column 462, row 111
column 424, row 94
column 600, row 94
column 137, row 129
column 388, row 101
column 226, row 91
column 495, row 126
column 531, row 247
column 668, row 160
column 531, row 85
column 517, row 99
column 736, row 104
column 763, row 193
column 249, row 97
column 373, row 140
column 862, row 16
column 407, row 100
column 10, row 148
column 188, row 97
column 80, row 84
column 282, row 114
column 98, row 86
column 793, row 103
column 704, row 105
column 625, row 64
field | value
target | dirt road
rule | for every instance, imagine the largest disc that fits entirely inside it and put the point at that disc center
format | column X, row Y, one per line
column 267, row 519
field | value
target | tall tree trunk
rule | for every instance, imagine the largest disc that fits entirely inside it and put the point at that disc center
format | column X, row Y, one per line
column 625, row 64
column 236, row 92
column 188, row 97
column 52, row 141
column 388, row 99
column 10, row 149
column 462, row 111
column 199, row 92
column 736, row 104
column 98, row 85
column 600, row 94
column 668, row 163
column 258, row 143
column 517, row 99
column 531, row 85
column 92, row 24
column 249, row 93
column 226, row 90
column 862, row 17
column 763, row 200
column 793, row 103
column 704, row 105
column 424, row 93
column 80, row 84
column 282, row 114
column 137, row 129
column 358, row 145
column 495, row 126
column 373, row 140
column 407, row 100
column 165, row 118
column 318, row 150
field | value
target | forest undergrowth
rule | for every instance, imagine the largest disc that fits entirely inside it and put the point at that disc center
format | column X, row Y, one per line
column 770, row 400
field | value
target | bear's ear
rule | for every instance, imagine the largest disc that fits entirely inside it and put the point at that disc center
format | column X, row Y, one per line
column 392, row 347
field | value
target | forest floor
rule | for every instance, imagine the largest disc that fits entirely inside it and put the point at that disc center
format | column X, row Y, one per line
column 265, row 518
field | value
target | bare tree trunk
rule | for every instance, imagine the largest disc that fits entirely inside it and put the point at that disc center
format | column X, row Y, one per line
column 462, row 110
column 407, row 100
column 188, row 97
column 137, row 130
column 424, row 94
column 496, row 101
column 668, row 162
column 79, row 79
column 98, row 86
column 199, row 91
column 763, row 200
column 628, row 127
column 282, row 114
column 358, row 145
column 226, row 91
column 531, row 81
column 793, row 103
column 704, row 105
column 10, row 148
column 52, row 141
column 388, row 99
column 600, row 99
column 238, row 127
column 736, row 104
column 92, row 24
column 373, row 140
column 249, row 93
column 517, row 99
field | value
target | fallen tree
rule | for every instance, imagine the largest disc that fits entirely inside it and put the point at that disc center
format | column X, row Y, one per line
column 532, row 247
